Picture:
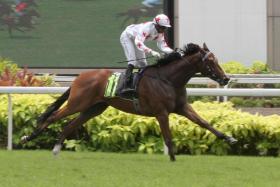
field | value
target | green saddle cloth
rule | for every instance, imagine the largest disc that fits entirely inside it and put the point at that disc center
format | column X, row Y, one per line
column 112, row 84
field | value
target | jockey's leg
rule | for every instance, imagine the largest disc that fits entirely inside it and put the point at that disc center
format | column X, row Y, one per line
column 129, row 51
column 141, row 62
column 128, row 75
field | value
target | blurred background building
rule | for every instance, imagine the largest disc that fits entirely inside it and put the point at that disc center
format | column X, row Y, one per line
column 235, row 30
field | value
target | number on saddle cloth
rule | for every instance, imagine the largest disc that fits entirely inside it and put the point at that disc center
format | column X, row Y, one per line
column 116, row 82
column 112, row 83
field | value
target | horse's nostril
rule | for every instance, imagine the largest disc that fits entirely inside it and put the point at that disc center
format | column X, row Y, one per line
column 226, row 79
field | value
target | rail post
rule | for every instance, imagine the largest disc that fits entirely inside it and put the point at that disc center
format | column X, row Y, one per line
column 10, row 123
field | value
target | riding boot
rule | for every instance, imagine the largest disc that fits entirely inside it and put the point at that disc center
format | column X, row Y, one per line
column 128, row 75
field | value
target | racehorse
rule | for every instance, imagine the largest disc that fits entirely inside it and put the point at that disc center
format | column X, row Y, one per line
column 161, row 91
column 6, row 10
column 21, row 22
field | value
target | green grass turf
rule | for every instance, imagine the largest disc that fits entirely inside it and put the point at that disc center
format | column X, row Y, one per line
column 71, row 33
column 40, row 168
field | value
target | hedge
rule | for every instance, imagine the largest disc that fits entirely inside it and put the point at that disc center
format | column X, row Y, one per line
column 116, row 131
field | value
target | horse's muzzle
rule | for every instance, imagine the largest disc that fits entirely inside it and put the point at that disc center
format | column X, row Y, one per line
column 224, row 81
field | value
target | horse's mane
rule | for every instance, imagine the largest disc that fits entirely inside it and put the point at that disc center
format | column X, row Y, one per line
column 169, row 58
column 191, row 49
column 188, row 50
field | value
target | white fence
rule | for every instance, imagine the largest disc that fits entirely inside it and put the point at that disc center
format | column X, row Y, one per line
column 190, row 91
column 235, row 78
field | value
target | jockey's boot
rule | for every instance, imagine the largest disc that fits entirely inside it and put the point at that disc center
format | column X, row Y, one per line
column 128, row 75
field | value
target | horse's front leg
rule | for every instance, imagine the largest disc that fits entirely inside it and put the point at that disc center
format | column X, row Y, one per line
column 189, row 112
column 166, row 133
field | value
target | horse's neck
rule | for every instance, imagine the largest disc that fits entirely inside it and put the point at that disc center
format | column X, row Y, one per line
column 181, row 71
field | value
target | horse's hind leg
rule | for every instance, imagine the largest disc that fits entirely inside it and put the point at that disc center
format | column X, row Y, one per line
column 188, row 112
column 57, row 115
column 95, row 110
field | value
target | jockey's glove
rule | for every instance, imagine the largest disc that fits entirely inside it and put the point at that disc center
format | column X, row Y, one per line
column 155, row 54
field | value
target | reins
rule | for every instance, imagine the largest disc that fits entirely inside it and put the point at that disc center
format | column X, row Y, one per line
column 135, row 59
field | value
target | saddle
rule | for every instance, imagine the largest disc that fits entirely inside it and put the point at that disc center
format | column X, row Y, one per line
column 116, row 83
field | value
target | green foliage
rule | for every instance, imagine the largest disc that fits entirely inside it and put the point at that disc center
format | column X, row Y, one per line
column 188, row 137
column 116, row 131
column 76, row 145
column 12, row 75
column 234, row 67
column 6, row 63
column 47, row 79
column 259, row 67
column 26, row 109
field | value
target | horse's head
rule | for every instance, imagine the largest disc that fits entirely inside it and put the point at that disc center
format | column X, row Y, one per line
column 210, row 67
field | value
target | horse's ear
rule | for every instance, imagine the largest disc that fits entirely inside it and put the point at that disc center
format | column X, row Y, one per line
column 205, row 47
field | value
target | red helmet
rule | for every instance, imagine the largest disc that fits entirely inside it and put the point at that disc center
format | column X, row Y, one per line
column 162, row 20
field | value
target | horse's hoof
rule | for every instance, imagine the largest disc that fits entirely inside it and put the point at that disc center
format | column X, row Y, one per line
column 172, row 158
column 56, row 149
column 23, row 139
column 231, row 140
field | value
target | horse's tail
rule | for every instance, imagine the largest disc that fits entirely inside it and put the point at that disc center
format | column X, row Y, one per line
column 54, row 106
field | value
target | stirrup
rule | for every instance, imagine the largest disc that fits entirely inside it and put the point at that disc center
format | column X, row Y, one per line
column 127, row 90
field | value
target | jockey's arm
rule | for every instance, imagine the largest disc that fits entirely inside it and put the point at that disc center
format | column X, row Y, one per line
column 139, row 42
column 162, row 45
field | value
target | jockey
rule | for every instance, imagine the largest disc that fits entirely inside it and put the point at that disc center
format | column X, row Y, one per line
column 20, row 8
column 132, row 40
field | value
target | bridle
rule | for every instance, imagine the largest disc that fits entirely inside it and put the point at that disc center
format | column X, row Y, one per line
column 210, row 70
column 206, row 56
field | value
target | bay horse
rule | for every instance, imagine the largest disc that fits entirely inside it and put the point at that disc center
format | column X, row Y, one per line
column 161, row 91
